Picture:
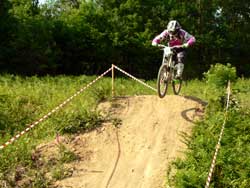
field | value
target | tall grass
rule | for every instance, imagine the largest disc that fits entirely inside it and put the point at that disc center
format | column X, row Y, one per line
column 232, row 165
column 24, row 100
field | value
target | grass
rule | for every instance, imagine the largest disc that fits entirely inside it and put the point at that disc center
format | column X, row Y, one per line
column 26, row 99
column 232, row 162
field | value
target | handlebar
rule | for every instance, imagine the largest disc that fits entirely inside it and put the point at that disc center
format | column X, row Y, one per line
column 171, row 48
column 162, row 46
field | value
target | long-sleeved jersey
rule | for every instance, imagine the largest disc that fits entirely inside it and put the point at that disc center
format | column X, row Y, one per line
column 182, row 37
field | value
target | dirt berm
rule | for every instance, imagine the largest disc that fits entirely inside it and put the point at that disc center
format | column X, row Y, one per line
column 137, row 153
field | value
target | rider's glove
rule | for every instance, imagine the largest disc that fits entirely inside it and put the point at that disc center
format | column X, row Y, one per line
column 154, row 44
column 185, row 45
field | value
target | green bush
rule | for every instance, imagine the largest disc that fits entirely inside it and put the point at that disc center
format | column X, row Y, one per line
column 218, row 75
column 217, row 78
column 232, row 164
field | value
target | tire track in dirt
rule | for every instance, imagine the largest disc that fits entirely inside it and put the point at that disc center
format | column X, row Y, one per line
column 149, row 139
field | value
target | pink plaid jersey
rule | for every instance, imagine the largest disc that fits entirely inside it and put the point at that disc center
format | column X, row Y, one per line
column 174, row 40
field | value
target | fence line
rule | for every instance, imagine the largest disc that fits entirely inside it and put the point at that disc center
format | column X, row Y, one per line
column 10, row 141
column 32, row 125
column 134, row 78
column 219, row 141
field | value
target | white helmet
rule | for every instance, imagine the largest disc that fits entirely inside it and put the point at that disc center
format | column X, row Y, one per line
column 173, row 26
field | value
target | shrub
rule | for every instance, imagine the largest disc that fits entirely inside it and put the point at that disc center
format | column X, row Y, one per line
column 217, row 78
column 218, row 75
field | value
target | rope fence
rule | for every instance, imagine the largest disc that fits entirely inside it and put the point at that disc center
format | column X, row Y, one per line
column 220, row 137
column 32, row 125
column 134, row 78
column 51, row 112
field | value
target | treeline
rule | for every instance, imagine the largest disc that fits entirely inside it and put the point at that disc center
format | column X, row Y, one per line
column 87, row 36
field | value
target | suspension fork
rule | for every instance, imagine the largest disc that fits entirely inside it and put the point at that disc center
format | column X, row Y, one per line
column 170, row 64
column 171, row 67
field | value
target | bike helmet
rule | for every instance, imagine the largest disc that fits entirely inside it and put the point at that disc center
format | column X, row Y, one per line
column 173, row 27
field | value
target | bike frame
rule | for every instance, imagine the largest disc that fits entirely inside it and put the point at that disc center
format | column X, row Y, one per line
column 166, row 73
column 168, row 58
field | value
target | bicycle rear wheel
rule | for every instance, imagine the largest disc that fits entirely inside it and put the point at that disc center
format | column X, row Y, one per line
column 176, row 84
column 162, row 80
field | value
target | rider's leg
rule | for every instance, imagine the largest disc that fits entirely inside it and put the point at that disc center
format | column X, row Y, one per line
column 180, row 63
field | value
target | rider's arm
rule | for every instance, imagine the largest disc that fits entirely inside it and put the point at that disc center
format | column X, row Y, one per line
column 160, row 38
column 189, row 39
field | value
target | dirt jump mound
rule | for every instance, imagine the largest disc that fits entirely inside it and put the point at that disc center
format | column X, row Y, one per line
column 135, row 150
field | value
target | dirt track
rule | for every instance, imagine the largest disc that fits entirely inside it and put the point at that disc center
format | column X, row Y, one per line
column 137, row 154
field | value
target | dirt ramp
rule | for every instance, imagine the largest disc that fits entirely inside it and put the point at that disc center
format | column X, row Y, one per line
column 137, row 154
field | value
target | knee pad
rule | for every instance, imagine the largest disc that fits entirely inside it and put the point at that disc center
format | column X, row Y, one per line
column 181, row 57
column 180, row 68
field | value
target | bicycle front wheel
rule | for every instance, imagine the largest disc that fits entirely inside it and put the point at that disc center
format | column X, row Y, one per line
column 162, row 80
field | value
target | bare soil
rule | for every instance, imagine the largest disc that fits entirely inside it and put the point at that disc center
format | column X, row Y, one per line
column 135, row 150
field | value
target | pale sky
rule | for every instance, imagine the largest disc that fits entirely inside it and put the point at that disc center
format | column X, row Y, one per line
column 41, row 1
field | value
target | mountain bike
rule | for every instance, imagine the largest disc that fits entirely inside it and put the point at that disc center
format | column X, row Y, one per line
column 167, row 72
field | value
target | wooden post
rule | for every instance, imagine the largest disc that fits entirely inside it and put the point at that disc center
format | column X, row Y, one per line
column 113, row 80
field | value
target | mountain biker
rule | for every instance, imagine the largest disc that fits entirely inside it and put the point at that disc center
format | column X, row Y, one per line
column 177, row 38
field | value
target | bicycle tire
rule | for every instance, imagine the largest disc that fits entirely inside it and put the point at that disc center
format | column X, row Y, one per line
column 162, row 80
column 176, row 84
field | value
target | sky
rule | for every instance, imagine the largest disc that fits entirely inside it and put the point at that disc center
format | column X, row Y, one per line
column 41, row 1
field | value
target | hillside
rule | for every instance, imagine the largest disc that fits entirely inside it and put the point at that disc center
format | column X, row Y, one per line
column 137, row 153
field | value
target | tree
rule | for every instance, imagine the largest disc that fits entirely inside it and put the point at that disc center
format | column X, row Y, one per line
column 7, row 26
